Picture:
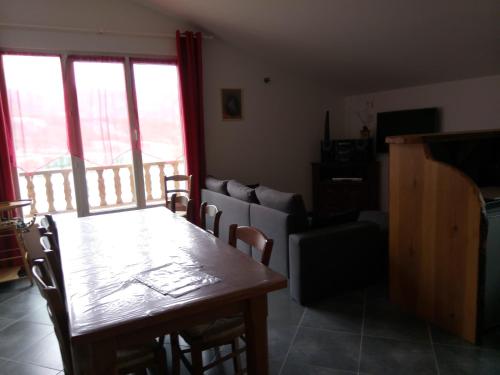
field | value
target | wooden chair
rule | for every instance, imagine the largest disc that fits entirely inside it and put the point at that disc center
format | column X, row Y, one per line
column 48, row 223
column 183, row 206
column 136, row 359
column 176, row 180
column 253, row 237
column 222, row 331
column 177, row 198
column 211, row 211
column 49, row 240
column 53, row 256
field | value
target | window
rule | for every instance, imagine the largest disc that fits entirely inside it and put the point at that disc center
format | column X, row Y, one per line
column 105, row 129
column 117, row 171
column 162, row 144
column 36, row 105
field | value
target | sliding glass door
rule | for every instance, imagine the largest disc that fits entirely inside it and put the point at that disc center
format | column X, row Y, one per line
column 125, row 114
column 162, row 144
column 105, row 131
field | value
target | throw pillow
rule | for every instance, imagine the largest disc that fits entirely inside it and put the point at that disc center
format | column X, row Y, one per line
column 214, row 184
column 291, row 203
column 241, row 192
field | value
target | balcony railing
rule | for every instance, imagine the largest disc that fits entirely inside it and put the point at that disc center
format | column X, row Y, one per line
column 112, row 186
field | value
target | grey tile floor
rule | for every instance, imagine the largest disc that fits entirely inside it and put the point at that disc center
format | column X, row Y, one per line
column 355, row 333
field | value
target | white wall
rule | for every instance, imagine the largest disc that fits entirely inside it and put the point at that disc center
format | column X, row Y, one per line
column 115, row 15
column 470, row 104
column 283, row 121
column 282, row 127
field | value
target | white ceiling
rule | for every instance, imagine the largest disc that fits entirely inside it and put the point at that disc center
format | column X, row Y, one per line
column 357, row 46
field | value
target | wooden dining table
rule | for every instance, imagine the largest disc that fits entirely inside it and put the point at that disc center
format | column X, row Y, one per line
column 102, row 256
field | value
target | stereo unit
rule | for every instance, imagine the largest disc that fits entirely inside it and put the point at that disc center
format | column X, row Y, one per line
column 348, row 150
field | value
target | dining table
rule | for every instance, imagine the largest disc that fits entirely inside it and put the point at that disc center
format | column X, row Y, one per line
column 136, row 275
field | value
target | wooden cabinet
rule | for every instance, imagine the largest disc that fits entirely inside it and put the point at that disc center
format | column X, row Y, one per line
column 342, row 186
column 440, row 251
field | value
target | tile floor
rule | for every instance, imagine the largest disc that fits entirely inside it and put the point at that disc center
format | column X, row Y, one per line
column 355, row 333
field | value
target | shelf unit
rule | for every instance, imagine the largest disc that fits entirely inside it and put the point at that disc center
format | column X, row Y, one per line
column 330, row 197
column 10, row 233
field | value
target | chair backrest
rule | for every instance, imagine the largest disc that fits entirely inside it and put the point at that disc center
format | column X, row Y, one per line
column 182, row 203
column 53, row 256
column 254, row 238
column 211, row 211
column 176, row 179
column 56, row 309
column 48, row 240
column 49, row 224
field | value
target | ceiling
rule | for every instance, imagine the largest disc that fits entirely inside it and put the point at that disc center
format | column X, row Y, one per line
column 357, row 46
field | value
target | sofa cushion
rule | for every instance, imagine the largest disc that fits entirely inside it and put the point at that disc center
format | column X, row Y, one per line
column 276, row 225
column 291, row 203
column 241, row 192
column 233, row 210
column 214, row 184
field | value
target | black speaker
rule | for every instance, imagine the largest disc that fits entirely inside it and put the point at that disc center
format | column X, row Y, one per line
column 327, row 151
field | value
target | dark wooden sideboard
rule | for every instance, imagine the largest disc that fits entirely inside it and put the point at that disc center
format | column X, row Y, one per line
column 343, row 186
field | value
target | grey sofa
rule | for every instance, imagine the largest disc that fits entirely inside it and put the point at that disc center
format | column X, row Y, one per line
column 273, row 223
column 318, row 262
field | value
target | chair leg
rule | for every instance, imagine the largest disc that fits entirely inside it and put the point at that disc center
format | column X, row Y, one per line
column 217, row 352
column 197, row 360
column 161, row 359
column 235, row 345
column 24, row 255
column 176, row 355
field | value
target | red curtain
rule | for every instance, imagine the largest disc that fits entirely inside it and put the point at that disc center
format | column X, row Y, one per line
column 7, row 165
column 191, row 82
column 8, row 157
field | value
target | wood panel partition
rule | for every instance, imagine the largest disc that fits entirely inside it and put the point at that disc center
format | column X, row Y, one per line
column 435, row 233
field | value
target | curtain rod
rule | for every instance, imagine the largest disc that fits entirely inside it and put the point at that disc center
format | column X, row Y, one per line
column 82, row 30
column 62, row 52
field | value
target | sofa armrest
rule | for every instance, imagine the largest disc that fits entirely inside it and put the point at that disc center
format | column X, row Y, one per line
column 327, row 260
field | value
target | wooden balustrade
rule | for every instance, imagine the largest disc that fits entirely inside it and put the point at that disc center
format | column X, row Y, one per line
column 67, row 191
column 132, row 183
column 118, row 185
column 147, row 179
column 103, row 185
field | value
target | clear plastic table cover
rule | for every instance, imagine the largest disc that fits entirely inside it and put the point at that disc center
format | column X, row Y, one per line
column 128, row 265
column 176, row 279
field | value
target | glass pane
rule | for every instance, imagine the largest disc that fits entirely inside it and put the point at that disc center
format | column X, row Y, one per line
column 104, row 123
column 162, row 142
column 36, row 104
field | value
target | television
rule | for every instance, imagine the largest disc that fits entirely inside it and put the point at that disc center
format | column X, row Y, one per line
column 412, row 121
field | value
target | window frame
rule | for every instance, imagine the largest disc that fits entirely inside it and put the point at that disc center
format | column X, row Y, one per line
column 71, row 108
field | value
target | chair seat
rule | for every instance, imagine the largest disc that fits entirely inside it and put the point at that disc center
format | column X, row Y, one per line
column 223, row 331
column 220, row 330
column 132, row 357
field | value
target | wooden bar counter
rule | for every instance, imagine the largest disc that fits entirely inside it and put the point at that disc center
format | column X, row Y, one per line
column 437, row 225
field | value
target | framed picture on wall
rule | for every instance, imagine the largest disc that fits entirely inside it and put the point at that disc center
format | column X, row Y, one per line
column 232, row 104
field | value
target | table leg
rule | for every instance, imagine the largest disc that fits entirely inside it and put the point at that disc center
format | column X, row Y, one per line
column 99, row 358
column 256, row 336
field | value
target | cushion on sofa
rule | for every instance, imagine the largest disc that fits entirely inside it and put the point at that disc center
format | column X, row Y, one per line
column 291, row 203
column 241, row 192
column 214, row 184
